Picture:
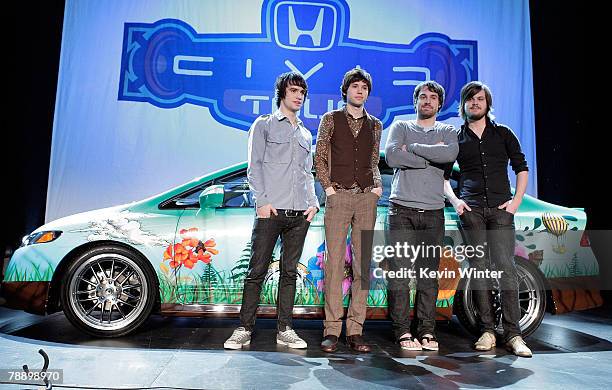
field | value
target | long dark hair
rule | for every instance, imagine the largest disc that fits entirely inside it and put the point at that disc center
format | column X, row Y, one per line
column 468, row 91
column 286, row 79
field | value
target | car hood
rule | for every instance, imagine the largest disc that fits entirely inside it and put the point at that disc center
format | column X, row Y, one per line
column 80, row 219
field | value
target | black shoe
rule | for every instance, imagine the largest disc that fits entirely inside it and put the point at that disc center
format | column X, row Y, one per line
column 329, row 343
column 357, row 343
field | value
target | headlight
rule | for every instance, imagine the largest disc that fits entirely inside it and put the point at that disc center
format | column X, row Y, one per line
column 40, row 237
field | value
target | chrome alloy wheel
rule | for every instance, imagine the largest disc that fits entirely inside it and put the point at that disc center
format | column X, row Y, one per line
column 108, row 291
column 531, row 296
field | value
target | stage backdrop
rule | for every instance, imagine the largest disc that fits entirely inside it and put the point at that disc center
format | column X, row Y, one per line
column 153, row 93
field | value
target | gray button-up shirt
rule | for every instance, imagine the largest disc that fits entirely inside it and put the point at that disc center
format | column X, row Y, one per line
column 280, row 163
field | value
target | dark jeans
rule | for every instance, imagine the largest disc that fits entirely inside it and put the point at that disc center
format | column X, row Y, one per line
column 494, row 227
column 292, row 231
column 417, row 228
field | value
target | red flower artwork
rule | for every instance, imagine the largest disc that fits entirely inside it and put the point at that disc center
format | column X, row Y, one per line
column 190, row 250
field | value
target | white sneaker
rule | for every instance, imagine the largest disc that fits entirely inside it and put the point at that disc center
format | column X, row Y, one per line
column 240, row 337
column 517, row 346
column 290, row 339
column 486, row 342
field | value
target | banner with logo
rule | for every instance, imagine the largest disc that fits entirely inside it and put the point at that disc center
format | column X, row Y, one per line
column 153, row 93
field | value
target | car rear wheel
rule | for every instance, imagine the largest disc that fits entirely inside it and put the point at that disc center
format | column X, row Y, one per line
column 108, row 291
column 532, row 301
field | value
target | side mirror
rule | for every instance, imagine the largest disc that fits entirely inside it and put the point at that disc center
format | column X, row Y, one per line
column 212, row 197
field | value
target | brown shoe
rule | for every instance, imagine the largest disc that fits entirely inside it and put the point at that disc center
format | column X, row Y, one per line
column 357, row 343
column 329, row 343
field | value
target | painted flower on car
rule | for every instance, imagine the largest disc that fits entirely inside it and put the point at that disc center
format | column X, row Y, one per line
column 189, row 251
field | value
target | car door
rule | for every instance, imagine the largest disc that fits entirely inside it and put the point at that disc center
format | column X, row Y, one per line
column 218, row 240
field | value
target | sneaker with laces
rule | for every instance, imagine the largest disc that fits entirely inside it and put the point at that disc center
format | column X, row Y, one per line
column 517, row 346
column 239, row 338
column 486, row 342
column 289, row 338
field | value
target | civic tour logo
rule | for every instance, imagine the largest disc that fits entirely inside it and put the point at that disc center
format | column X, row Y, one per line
column 168, row 64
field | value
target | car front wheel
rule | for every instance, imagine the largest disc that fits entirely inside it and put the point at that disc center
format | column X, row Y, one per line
column 108, row 291
column 532, row 301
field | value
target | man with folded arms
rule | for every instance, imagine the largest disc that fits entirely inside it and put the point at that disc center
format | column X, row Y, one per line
column 420, row 151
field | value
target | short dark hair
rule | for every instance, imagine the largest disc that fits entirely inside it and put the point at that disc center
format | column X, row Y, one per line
column 433, row 87
column 468, row 91
column 354, row 75
column 286, row 79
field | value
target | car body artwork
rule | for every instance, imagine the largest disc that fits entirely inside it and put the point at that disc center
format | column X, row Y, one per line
column 186, row 252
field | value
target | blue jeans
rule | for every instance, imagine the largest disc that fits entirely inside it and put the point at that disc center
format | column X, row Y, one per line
column 494, row 227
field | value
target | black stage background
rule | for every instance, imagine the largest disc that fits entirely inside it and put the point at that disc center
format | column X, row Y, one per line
column 569, row 97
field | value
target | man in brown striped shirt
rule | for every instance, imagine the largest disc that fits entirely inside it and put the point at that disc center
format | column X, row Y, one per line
column 346, row 162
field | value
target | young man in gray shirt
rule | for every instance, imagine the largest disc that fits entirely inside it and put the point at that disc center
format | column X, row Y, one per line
column 280, row 177
column 420, row 151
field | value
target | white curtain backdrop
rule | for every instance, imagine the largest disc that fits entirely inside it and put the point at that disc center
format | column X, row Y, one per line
column 115, row 141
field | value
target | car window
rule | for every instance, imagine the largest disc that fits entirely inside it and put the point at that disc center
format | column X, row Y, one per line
column 386, row 175
column 387, row 178
column 236, row 191
column 190, row 199
column 320, row 192
column 187, row 199
column 455, row 185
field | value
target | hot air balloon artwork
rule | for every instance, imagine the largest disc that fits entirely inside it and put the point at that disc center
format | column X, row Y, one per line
column 557, row 226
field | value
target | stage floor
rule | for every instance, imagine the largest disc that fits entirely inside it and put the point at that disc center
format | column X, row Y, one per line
column 571, row 351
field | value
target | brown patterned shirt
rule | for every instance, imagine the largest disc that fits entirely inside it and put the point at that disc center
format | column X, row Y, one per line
column 321, row 162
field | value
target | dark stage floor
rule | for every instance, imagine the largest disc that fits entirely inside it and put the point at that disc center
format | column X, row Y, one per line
column 571, row 351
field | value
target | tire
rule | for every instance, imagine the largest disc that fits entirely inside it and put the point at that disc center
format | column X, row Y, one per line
column 532, row 299
column 108, row 291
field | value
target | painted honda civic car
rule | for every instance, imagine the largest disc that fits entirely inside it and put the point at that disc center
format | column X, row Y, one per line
column 186, row 252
